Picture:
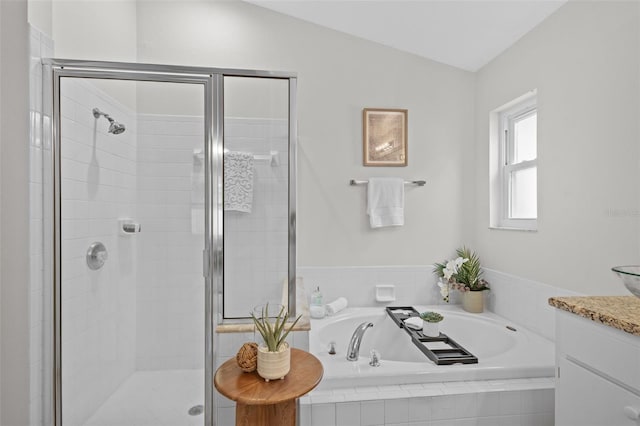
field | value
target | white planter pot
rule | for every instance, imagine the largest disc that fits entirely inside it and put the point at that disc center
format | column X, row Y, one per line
column 274, row 365
column 431, row 329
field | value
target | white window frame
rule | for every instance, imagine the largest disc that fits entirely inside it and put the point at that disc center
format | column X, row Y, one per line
column 508, row 116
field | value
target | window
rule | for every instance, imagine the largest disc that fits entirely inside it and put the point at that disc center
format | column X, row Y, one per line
column 516, row 177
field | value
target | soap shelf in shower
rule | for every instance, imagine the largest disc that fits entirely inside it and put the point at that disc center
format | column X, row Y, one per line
column 442, row 350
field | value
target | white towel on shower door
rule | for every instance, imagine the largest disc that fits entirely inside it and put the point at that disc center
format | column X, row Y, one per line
column 385, row 202
column 238, row 181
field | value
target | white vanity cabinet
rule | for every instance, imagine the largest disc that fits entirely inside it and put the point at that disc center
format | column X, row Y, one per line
column 598, row 373
column 585, row 398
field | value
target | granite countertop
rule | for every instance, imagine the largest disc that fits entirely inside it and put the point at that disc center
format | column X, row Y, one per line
column 621, row 312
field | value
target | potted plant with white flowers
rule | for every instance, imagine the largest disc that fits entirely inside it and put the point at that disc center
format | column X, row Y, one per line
column 274, row 355
column 464, row 274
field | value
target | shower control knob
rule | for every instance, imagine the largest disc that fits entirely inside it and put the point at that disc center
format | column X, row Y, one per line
column 96, row 256
column 374, row 358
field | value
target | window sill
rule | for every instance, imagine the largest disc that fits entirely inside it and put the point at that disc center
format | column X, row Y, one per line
column 511, row 228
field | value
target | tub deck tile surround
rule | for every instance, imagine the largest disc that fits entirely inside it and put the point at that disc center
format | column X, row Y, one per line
column 325, row 396
column 621, row 312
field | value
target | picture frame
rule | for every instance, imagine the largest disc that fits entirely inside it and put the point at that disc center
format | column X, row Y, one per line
column 384, row 137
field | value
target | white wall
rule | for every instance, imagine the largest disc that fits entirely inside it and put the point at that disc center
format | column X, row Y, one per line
column 338, row 76
column 14, row 220
column 40, row 14
column 97, row 30
column 584, row 62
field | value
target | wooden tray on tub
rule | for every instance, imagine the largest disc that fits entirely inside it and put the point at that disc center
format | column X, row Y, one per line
column 442, row 350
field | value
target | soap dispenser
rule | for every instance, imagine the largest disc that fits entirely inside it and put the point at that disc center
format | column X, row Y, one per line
column 317, row 309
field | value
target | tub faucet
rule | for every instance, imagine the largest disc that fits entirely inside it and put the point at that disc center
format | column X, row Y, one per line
column 353, row 351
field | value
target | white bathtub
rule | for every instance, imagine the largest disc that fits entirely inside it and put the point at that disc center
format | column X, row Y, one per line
column 501, row 353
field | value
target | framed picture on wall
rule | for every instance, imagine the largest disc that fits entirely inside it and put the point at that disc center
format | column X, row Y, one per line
column 384, row 137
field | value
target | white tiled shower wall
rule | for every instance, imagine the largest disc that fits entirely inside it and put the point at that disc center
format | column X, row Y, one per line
column 170, row 209
column 170, row 326
column 98, row 172
column 40, row 255
column 258, row 239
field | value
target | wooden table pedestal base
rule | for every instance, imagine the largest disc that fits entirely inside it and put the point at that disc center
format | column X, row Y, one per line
column 283, row 414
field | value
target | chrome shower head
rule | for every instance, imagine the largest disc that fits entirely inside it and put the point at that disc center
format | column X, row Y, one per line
column 114, row 127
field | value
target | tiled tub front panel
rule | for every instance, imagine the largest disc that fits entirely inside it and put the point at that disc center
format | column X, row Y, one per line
column 523, row 402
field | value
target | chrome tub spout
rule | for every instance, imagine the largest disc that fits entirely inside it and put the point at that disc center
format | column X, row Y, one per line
column 353, row 351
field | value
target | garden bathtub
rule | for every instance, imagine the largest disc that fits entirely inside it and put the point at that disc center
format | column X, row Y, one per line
column 502, row 352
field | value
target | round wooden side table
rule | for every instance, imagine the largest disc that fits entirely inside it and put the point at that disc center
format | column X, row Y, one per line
column 268, row 403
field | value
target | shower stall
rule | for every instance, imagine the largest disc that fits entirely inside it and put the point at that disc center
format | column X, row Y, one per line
column 173, row 192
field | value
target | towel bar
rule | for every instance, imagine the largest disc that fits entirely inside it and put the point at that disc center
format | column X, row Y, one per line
column 353, row 182
column 272, row 158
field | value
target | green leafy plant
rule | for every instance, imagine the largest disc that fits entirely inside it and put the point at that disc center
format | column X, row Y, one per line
column 274, row 334
column 431, row 317
column 463, row 273
column 470, row 272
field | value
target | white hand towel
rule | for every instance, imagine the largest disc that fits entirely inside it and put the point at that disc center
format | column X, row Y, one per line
column 238, row 181
column 336, row 306
column 385, row 197
column 414, row 322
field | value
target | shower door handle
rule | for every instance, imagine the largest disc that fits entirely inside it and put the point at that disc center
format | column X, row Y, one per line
column 206, row 263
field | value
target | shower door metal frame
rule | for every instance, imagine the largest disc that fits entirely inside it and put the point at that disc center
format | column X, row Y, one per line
column 213, row 262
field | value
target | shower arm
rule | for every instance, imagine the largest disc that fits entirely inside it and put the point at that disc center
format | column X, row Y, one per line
column 97, row 113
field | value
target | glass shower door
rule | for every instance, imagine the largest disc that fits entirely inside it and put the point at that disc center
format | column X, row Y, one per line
column 132, row 295
column 257, row 194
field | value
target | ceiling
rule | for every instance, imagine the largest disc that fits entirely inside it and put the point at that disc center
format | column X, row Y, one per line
column 463, row 33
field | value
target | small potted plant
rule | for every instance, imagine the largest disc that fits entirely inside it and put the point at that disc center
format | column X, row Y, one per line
column 431, row 323
column 465, row 275
column 274, row 355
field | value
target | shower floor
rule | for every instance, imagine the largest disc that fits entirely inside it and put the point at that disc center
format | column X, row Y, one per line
column 154, row 398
